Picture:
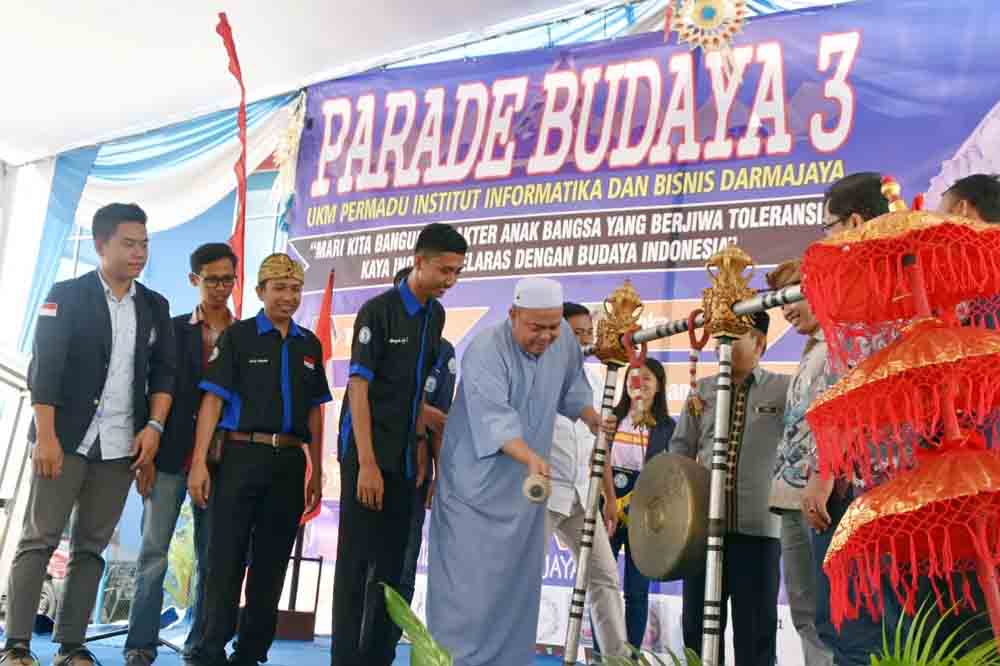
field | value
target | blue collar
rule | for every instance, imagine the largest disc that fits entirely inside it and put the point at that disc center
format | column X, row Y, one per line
column 265, row 326
column 410, row 301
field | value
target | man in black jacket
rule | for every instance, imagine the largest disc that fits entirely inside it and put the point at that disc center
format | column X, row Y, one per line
column 101, row 380
column 213, row 273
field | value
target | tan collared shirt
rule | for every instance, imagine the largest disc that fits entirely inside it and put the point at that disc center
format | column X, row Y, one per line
column 756, row 424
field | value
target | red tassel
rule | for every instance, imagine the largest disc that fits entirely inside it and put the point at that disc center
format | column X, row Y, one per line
column 970, row 599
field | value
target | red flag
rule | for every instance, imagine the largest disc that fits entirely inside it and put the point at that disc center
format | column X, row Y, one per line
column 324, row 331
column 236, row 240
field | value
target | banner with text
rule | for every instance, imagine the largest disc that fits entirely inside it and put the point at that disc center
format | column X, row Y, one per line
column 636, row 159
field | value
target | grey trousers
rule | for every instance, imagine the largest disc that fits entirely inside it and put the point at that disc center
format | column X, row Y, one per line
column 607, row 608
column 800, row 586
column 98, row 490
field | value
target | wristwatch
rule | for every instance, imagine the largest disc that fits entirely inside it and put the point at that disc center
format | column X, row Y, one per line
column 155, row 425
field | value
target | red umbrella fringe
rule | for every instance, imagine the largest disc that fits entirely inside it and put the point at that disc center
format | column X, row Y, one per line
column 859, row 289
column 895, row 552
column 899, row 412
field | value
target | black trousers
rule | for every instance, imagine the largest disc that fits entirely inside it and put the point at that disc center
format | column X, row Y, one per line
column 257, row 490
column 371, row 548
column 750, row 577
column 408, row 579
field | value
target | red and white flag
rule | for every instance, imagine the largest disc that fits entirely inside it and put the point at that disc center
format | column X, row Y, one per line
column 324, row 331
column 236, row 241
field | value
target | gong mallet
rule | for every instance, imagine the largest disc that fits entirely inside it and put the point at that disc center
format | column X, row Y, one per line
column 597, row 462
column 536, row 488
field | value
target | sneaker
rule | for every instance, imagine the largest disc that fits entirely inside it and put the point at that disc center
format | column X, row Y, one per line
column 18, row 655
column 236, row 659
column 138, row 658
column 80, row 656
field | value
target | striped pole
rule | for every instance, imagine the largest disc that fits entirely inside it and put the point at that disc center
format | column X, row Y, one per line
column 763, row 301
column 711, row 636
column 597, row 462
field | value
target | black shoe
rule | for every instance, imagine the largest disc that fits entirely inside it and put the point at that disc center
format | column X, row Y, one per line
column 138, row 658
column 18, row 655
column 80, row 656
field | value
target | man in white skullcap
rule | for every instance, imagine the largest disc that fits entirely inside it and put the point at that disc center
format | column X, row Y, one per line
column 487, row 540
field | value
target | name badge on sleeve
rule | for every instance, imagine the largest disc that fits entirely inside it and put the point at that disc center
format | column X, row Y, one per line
column 767, row 410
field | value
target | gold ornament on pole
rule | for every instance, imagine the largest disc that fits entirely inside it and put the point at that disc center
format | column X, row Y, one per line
column 623, row 308
column 730, row 284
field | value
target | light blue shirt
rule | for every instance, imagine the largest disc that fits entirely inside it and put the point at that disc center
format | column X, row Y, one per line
column 487, row 541
column 113, row 420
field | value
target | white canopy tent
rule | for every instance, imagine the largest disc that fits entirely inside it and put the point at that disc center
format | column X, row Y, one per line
column 87, row 72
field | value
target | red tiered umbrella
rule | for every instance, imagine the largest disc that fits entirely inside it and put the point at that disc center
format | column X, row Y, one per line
column 942, row 515
column 941, row 518
column 898, row 397
column 856, row 281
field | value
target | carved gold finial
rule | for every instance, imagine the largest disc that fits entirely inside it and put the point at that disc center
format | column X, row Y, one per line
column 623, row 308
column 891, row 191
column 729, row 286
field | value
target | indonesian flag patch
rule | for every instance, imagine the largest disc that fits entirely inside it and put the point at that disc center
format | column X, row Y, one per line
column 309, row 362
column 48, row 310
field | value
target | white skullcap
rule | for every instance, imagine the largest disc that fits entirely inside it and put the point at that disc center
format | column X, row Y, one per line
column 538, row 294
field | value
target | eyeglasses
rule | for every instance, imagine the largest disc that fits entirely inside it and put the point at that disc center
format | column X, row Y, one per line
column 216, row 282
column 831, row 224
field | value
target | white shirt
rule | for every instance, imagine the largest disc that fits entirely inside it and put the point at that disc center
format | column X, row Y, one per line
column 572, row 445
column 113, row 420
column 629, row 450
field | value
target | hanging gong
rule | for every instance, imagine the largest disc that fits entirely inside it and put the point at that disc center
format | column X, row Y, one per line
column 668, row 518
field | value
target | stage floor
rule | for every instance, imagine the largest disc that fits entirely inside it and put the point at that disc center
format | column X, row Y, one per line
column 283, row 653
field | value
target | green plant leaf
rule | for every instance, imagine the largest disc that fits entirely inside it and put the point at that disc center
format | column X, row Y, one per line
column 917, row 647
column 425, row 651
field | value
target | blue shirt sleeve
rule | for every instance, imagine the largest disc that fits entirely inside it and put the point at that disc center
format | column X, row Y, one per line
column 445, row 372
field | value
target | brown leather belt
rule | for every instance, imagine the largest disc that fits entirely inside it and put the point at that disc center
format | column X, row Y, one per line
column 267, row 439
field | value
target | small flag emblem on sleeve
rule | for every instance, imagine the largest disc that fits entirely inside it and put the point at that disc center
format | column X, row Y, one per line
column 309, row 362
column 48, row 310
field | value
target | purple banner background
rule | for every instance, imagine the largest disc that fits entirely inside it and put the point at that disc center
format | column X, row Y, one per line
column 925, row 84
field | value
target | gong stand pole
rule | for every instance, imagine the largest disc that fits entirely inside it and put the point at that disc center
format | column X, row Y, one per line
column 759, row 303
column 711, row 633
column 597, row 462
column 762, row 301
